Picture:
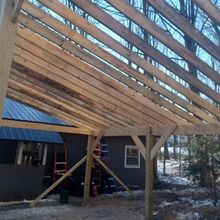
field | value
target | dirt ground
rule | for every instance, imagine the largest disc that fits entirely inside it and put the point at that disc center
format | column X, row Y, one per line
column 170, row 203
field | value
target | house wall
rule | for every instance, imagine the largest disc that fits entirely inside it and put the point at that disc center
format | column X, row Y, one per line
column 130, row 176
column 76, row 147
column 8, row 149
column 20, row 182
column 17, row 182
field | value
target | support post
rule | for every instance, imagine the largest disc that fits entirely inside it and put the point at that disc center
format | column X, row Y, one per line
column 149, row 176
column 90, row 149
column 7, row 41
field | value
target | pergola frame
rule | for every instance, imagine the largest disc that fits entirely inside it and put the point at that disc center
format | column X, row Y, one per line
column 50, row 66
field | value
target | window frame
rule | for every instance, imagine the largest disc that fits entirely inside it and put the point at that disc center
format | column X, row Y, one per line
column 138, row 165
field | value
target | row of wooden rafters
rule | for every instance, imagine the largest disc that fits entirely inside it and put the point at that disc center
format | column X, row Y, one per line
column 89, row 87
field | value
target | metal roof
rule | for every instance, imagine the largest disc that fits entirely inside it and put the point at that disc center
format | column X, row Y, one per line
column 21, row 134
column 17, row 111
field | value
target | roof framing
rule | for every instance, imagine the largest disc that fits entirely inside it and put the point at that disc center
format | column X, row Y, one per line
column 59, row 71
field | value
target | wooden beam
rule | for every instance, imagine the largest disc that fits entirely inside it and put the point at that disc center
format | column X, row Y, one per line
column 121, row 30
column 45, row 127
column 95, row 112
column 139, row 144
column 210, row 9
column 180, row 21
column 166, row 134
column 90, row 149
column 98, row 51
column 16, row 11
column 164, row 37
column 43, row 106
column 149, row 176
column 84, row 75
column 7, row 40
column 189, row 129
column 112, row 174
column 39, row 94
column 42, row 195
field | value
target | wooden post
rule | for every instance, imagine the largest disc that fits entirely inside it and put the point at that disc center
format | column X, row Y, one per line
column 7, row 41
column 90, row 149
column 149, row 176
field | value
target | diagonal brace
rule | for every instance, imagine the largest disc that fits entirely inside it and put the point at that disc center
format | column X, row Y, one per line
column 112, row 174
column 139, row 144
column 169, row 131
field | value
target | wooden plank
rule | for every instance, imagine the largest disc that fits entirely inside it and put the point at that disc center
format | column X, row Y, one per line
column 189, row 129
column 45, row 127
column 70, row 99
column 90, row 78
column 90, row 97
column 75, row 104
column 7, row 40
column 166, row 134
column 139, row 43
column 112, row 174
column 43, row 106
column 164, row 37
column 149, row 176
column 40, row 94
column 139, row 144
column 95, row 78
column 16, row 11
column 209, row 8
column 90, row 149
column 63, row 177
column 40, row 29
column 180, row 21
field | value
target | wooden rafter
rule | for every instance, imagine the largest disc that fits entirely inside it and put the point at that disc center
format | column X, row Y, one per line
column 181, row 22
column 165, row 38
column 121, row 30
column 109, row 89
column 74, row 103
column 112, row 72
column 42, row 106
column 209, row 8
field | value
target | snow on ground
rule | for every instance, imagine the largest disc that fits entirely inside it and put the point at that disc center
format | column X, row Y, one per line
column 188, row 216
column 172, row 172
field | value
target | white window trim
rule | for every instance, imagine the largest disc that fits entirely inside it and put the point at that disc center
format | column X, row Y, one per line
column 139, row 157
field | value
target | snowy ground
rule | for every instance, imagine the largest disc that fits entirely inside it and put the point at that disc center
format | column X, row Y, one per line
column 175, row 199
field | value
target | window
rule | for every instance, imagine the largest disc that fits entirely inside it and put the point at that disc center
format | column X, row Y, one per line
column 31, row 153
column 132, row 157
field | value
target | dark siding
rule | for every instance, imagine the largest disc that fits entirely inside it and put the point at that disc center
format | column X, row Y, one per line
column 8, row 150
column 20, row 182
column 76, row 147
column 130, row 176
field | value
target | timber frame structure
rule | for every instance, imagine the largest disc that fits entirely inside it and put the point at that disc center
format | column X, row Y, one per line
column 48, row 65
